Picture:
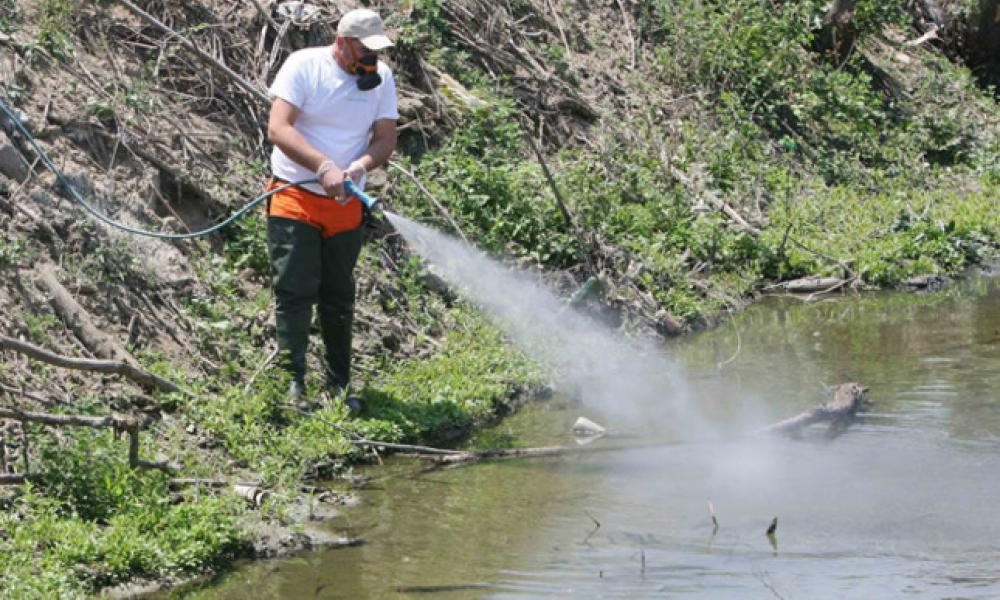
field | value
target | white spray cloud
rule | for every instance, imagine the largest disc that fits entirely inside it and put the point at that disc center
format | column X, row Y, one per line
column 629, row 380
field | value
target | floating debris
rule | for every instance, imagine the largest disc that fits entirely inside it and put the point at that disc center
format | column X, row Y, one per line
column 584, row 427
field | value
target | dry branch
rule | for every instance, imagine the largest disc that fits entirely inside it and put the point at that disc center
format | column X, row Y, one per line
column 130, row 425
column 585, row 249
column 839, row 412
column 421, row 450
column 136, row 374
column 452, row 457
column 78, row 319
column 440, row 207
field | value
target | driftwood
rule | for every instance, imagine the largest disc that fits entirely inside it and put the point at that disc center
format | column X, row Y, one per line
column 123, row 368
column 839, row 412
column 78, row 319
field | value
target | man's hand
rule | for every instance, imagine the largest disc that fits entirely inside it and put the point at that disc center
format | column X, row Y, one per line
column 332, row 180
column 356, row 171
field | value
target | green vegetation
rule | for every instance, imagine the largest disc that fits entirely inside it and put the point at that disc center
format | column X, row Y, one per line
column 90, row 521
column 55, row 28
column 858, row 168
column 871, row 168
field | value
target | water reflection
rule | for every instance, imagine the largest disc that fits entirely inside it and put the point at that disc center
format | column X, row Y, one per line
column 903, row 504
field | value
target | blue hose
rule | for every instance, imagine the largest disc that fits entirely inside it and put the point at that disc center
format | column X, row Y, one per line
column 369, row 203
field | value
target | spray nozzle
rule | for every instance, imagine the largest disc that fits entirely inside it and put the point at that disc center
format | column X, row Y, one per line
column 371, row 204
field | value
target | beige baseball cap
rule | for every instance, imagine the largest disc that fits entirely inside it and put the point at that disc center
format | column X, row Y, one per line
column 365, row 25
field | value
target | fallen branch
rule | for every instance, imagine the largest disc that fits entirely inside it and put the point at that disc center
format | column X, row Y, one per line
column 931, row 34
column 420, row 450
column 129, row 425
column 78, row 319
column 839, row 412
column 478, row 455
column 111, row 421
column 452, row 457
column 136, row 374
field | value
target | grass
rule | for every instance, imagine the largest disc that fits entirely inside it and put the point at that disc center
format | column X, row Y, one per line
column 839, row 172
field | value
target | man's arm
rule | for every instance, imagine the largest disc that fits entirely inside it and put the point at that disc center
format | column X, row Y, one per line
column 282, row 133
column 382, row 145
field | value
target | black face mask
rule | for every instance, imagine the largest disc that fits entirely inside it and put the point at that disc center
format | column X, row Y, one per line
column 366, row 68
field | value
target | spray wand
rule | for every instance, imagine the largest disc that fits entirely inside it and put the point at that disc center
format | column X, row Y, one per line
column 373, row 208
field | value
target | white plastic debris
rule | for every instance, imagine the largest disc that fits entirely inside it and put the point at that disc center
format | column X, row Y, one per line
column 253, row 494
column 584, row 427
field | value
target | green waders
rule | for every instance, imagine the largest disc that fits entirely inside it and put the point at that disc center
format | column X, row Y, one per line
column 310, row 270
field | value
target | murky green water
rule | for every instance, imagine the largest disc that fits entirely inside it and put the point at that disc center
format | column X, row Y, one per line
column 905, row 504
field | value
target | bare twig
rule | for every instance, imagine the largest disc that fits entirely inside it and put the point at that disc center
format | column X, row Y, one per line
column 559, row 26
column 266, row 15
column 260, row 369
column 440, row 207
column 563, row 207
column 627, row 20
column 22, row 392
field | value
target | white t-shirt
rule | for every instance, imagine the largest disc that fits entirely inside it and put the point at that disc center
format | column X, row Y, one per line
column 335, row 116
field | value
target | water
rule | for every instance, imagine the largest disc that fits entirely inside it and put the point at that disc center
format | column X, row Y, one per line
column 902, row 505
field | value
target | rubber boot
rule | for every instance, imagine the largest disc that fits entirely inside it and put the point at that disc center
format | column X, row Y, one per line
column 295, row 251
column 336, row 303
column 293, row 341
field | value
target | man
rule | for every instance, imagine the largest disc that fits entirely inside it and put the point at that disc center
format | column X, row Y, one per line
column 333, row 116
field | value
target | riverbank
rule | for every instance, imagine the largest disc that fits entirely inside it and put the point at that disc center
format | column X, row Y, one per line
column 664, row 177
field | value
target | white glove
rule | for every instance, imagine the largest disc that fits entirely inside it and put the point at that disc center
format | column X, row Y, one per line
column 356, row 171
